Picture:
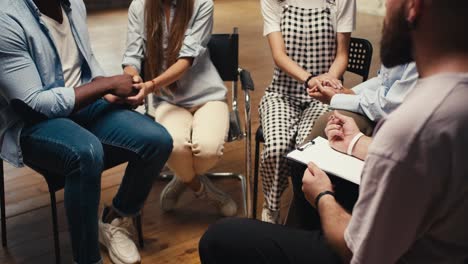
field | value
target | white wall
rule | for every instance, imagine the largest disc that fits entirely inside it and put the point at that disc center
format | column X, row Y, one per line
column 375, row 7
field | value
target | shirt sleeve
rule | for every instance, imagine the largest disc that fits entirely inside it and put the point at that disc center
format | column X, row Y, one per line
column 346, row 16
column 388, row 217
column 351, row 102
column 198, row 33
column 384, row 96
column 271, row 11
column 20, row 79
column 134, row 52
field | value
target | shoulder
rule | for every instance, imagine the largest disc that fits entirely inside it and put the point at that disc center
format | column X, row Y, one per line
column 452, row 112
column 342, row 4
column 275, row 3
column 272, row 5
column 271, row 9
column 203, row 5
column 346, row 7
column 78, row 5
column 137, row 5
column 427, row 116
column 136, row 10
column 11, row 25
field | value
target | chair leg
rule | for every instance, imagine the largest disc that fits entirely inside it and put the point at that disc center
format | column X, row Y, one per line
column 255, row 186
column 3, row 215
column 53, row 205
column 139, row 231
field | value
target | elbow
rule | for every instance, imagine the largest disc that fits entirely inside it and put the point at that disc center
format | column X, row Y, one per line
column 45, row 104
column 277, row 58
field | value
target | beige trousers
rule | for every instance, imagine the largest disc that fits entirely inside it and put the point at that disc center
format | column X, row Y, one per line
column 198, row 134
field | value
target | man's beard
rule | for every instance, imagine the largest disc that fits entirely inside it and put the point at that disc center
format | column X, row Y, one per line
column 396, row 45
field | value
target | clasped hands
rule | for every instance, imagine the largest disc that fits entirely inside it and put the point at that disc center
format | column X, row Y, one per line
column 324, row 87
column 133, row 91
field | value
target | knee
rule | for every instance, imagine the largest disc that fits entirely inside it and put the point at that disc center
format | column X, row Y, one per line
column 158, row 144
column 275, row 150
column 181, row 146
column 88, row 157
column 208, row 150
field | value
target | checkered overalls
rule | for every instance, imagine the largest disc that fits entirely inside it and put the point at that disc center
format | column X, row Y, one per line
column 287, row 112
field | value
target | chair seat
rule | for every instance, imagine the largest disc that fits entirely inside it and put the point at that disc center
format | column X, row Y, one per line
column 55, row 182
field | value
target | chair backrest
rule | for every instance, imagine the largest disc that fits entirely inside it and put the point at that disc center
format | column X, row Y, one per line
column 360, row 57
column 224, row 53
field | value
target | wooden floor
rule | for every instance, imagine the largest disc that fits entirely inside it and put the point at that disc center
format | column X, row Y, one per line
column 171, row 237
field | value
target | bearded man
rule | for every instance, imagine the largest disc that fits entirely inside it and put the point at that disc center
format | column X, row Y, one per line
column 413, row 197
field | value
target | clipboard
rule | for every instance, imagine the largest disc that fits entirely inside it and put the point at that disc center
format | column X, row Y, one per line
column 331, row 161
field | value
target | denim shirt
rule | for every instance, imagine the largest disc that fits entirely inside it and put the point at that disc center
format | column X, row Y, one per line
column 31, row 70
column 201, row 83
column 379, row 96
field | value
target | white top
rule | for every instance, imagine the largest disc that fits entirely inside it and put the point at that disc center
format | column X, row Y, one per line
column 343, row 13
column 69, row 54
column 413, row 197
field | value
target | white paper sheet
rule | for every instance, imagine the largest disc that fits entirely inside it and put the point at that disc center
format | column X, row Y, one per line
column 329, row 160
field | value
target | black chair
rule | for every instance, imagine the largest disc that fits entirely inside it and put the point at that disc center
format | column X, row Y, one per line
column 224, row 53
column 55, row 184
column 360, row 57
column 359, row 62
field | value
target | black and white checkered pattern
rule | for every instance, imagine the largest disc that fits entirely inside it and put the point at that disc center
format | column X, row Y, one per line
column 287, row 112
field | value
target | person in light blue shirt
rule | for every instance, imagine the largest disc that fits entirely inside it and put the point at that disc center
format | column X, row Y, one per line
column 366, row 103
column 62, row 117
column 376, row 97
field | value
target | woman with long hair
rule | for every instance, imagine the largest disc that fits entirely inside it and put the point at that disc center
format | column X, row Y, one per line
column 309, row 41
column 167, row 40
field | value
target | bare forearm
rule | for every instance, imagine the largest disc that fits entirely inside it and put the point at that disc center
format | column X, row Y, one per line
column 282, row 60
column 173, row 73
column 291, row 67
column 340, row 63
column 338, row 68
column 90, row 92
column 334, row 221
column 362, row 147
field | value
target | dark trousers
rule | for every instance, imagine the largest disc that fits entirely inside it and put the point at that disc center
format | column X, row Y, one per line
column 250, row 241
column 75, row 151
column 302, row 241
column 302, row 214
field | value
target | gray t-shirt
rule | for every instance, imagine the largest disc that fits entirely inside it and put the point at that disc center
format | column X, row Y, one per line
column 413, row 202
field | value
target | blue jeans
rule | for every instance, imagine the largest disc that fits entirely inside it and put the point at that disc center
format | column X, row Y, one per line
column 73, row 152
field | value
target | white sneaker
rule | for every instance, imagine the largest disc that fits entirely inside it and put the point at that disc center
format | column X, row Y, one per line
column 117, row 238
column 223, row 201
column 270, row 216
column 171, row 194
